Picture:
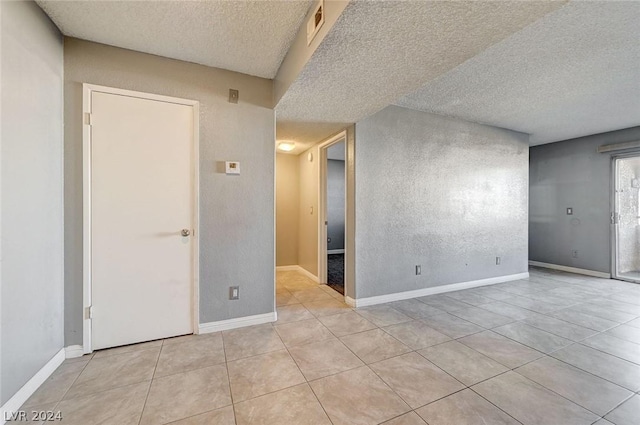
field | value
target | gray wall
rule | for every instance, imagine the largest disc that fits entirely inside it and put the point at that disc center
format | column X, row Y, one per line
column 236, row 212
column 31, row 191
column 335, row 203
column 446, row 194
column 572, row 174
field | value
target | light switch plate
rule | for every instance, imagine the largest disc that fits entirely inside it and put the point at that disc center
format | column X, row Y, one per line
column 232, row 167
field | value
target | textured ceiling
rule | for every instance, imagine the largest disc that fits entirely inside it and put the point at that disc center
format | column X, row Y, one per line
column 573, row 73
column 251, row 37
column 379, row 51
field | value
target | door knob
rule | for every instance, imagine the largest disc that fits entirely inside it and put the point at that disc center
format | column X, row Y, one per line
column 186, row 232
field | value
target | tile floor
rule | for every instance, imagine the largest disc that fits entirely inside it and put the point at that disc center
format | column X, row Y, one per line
column 554, row 349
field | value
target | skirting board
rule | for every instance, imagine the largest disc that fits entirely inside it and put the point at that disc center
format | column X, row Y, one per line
column 73, row 351
column 335, row 251
column 381, row 299
column 14, row 403
column 571, row 269
column 299, row 269
column 240, row 322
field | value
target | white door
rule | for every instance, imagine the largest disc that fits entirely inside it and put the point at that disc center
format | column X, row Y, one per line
column 141, row 200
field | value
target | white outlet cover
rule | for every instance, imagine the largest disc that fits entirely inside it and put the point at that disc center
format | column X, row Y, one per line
column 232, row 167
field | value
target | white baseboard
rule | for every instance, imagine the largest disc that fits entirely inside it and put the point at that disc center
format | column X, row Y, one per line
column 335, row 251
column 299, row 269
column 571, row 269
column 381, row 299
column 287, row 268
column 14, row 403
column 240, row 322
column 73, row 351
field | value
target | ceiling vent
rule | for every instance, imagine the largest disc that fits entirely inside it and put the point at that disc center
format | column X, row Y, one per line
column 315, row 21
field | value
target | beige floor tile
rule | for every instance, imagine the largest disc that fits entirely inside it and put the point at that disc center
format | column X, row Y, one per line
column 121, row 406
column 383, row 315
column 258, row 375
column 293, row 313
column 311, row 294
column 463, row 363
column 416, row 334
column 303, row 332
column 285, row 298
column 324, row 358
column 410, row 418
column 628, row 413
column 115, row 371
column 222, row 416
column 54, row 388
column 531, row 403
column 464, row 408
column 415, row 379
column 584, row 389
column 326, row 307
column 452, row 326
column 296, row 405
column 346, row 323
column 127, row 349
column 189, row 355
column 374, row 345
column 358, row 396
column 250, row 341
column 186, row 394
column 503, row 350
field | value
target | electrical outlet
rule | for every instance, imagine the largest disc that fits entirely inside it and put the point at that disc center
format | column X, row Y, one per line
column 498, row 259
column 418, row 270
column 574, row 253
column 234, row 95
column 234, row 292
column 569, row 211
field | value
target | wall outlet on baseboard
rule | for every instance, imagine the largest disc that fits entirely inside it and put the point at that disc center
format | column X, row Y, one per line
column 498, row 260
column 234, row 292
column 418, row 270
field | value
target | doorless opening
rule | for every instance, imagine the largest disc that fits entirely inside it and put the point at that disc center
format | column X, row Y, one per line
column 332, row 229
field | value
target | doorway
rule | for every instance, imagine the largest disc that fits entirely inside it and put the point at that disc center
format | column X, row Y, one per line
column 626, row 218
column 140, row 217
column 333, row 213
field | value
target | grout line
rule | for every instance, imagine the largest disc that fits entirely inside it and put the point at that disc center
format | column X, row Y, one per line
column 144, row 405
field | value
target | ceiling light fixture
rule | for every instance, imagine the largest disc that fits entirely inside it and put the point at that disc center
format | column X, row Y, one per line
column 286, row 146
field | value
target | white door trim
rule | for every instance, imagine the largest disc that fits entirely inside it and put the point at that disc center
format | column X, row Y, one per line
column 88, row 89
column 322, row 204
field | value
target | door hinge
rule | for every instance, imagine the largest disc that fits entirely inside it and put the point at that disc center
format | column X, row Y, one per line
column 615, row 218
column 87, row 118
column 88, row 312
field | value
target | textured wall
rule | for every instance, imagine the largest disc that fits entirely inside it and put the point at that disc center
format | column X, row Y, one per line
column 32, row 194
column 335, row 203
column 236, row 212
column 572, row 174
column 287, row 204
column 443, row 193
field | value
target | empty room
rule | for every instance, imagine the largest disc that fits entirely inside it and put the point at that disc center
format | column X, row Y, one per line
column 238, row 212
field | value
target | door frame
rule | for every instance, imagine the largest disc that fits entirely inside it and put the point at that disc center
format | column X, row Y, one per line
column 87, row 90
column 322, row 206
column 614, row 218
